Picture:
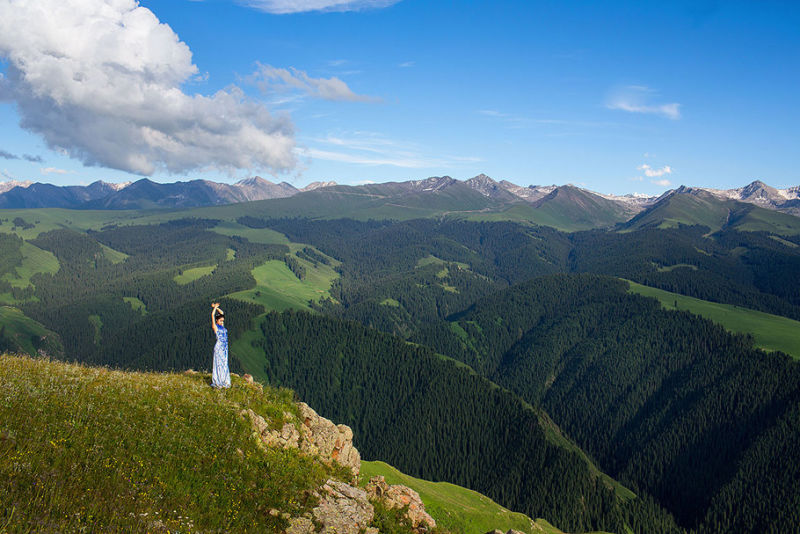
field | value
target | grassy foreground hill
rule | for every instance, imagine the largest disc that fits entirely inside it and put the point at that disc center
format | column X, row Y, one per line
column 85, row 448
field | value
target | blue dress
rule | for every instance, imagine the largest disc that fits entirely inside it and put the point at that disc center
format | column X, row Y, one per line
column 221, row 375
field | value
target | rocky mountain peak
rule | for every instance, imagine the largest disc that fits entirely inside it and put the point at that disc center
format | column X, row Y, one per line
column 11, row 184
column 318, row 185
column 434, row 183
column 254, row 181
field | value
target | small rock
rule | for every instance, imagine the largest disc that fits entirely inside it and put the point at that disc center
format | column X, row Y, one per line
column 300, row 525
column 274, row 512
column 495, row 531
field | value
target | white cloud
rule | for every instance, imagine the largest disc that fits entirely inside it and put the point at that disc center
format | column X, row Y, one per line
column 53, row 170
column 407, row 64
column 283, row 7
column 662, row 183
column 101, row 81
column 639, row 99
column 269, row 78
column 654, row 173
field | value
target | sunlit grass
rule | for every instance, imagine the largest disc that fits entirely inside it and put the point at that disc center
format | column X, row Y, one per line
column 770, row 332
column 91, row 449
column 190, row 275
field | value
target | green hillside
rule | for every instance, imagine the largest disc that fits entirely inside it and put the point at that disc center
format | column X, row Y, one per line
column 457, row 509
column 19, row 333
column 571, row 208
column 74, row 456
column 770, row 332
column 690, row 207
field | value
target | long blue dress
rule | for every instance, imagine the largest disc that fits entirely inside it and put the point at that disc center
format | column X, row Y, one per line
column 221, row 375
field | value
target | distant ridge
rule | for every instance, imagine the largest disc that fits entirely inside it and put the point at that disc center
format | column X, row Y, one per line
column 575, row 207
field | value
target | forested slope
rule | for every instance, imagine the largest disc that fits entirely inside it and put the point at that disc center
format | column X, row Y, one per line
column 438, row 420
column 667, row 402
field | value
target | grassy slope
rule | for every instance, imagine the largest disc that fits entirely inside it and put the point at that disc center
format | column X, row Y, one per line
column 455, row 508
column 34, row 260
column 770, row 332
column 136, row 304
column 706, row 210
column 760, row 219
column 190, row 275
column 22, row 330
column 73, row 457
column 114, row 256
column 278, row 289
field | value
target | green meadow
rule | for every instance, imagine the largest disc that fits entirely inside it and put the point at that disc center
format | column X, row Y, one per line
column 278, row 288
column 454, row 508
column 34, row 260
column 190, row 275
column 770, row 332
column 136, row 304
column 457, row 509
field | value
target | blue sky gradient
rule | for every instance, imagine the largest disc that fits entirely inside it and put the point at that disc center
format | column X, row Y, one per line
column 617, row 97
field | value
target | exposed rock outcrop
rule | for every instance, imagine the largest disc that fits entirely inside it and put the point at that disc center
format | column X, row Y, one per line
column 396, row 496
column 313, row 435
column 342, row 508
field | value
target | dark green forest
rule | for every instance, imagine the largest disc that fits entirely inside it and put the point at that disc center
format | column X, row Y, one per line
column 437, row 420
column 665, row 401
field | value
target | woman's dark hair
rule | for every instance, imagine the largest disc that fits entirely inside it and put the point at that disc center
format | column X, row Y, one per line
column 219, row 315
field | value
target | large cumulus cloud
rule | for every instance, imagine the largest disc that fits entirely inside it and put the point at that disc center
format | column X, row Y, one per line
column 101, row 80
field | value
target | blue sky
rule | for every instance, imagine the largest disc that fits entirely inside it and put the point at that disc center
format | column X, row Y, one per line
column 617, row 97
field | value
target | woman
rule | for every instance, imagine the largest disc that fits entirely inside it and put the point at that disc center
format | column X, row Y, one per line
column 221, row 375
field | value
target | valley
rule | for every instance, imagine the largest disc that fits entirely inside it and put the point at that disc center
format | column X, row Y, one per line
column 528, row 371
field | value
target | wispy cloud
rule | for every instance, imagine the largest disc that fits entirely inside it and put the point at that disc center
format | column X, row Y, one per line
column 284, row 7
column 642, row 99
column 407, row 64
column 27, row 157
column 271, row 79
column 53, row 170
column 370, row 149
column 654, row 173
column 662, row 183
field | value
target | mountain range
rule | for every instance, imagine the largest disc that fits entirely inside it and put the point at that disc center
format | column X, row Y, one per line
column 145, row 193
